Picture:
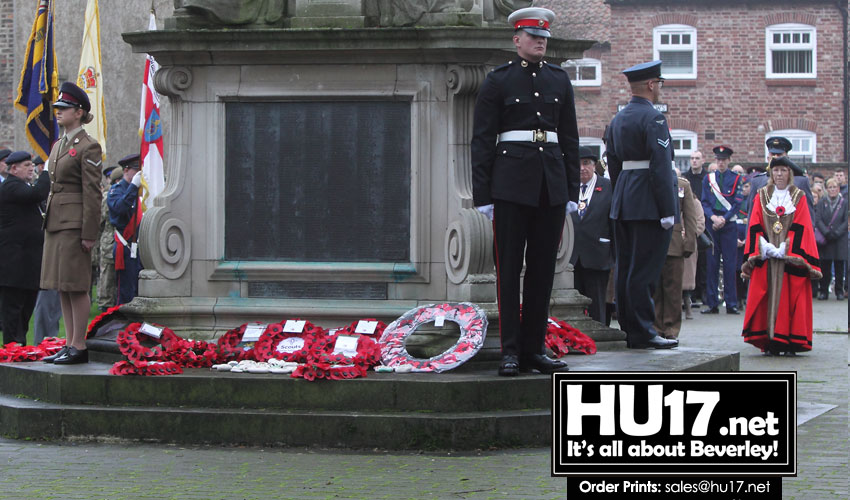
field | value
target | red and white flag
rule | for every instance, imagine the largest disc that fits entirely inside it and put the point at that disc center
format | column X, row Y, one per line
column 150, row 130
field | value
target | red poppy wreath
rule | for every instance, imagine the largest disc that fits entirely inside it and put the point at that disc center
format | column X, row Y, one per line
column 565, row 339
column 130, row 345
column 473, row 328
column 286, row 346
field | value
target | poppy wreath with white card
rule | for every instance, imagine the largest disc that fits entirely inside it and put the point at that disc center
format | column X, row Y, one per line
column 473, row 328
column 276, row 343
column 130, row 342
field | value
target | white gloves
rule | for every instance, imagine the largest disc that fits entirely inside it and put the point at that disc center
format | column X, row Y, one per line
column 137, row 179
column 770, row 250
column 572, row 207
column 667, row 222
column 486, row 210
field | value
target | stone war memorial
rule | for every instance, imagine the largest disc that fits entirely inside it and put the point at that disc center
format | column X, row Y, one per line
column 318, row 168
column 319, row 165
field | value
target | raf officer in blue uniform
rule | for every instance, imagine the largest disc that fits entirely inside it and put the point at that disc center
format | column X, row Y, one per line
column 125, row 215
column 644, row 205
column 721, row 200
column 525, row 171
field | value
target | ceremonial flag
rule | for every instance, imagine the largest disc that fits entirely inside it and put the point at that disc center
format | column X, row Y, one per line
column 39, row 85
column 89, row 77
column 150, row 128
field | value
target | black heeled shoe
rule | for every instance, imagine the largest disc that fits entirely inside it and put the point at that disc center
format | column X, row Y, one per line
column 63, row 351
column 509, row 366
column 74, row 356
column 542, row 363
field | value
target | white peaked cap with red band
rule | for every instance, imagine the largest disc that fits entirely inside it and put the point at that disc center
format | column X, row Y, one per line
column 533, row 20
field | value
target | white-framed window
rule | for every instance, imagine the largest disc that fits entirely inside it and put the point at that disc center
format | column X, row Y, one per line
column 584, row 72
column 676, row 46
column 684, row 143
column 803, row 144
column 596, row 145
column 791, row 51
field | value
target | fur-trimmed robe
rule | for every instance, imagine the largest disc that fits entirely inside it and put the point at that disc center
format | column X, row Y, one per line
column 779, row 302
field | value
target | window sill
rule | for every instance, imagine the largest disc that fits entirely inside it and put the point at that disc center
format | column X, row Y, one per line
column 588, row 89
column 789, row 82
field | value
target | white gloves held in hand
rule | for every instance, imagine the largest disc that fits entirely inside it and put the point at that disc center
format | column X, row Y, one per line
column 572, row 207
column 486, row 210
column 667, row 222
column 137, row 179
column 769, row 250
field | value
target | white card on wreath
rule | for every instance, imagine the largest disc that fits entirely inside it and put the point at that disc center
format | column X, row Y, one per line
column 253, row 332
column 366, row 327
column 439, row 321
column 151, row 331
column 346, row 345
column 294, row 326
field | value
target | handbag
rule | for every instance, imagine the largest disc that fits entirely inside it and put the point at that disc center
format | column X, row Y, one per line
column 704, row 241
column 819, row 237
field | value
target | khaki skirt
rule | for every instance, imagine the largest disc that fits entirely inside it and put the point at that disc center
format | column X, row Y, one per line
column 64, row 264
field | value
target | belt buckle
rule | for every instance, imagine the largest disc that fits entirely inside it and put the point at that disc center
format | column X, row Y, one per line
column 539, row 136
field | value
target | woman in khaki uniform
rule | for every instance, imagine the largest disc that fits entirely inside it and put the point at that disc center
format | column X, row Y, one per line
column 72, row 219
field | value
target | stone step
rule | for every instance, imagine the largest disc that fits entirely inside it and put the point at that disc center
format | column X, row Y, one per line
column 23, row 418
column 200, row 387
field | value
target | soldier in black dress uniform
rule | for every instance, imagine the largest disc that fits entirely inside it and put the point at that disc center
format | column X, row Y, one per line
column 644, row 206
column 525, row 170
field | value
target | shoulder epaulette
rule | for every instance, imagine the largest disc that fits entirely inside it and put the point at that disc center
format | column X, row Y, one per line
column 556, row 66
column 503, row 66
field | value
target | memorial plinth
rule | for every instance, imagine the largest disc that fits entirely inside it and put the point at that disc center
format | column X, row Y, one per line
column 324, row 174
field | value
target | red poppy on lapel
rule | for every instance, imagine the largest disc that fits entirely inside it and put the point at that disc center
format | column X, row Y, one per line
column 598, row 188
column 72, row 152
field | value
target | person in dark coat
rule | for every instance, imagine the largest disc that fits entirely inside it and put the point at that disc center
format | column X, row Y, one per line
column 21, row 242
column 593, row 253
column 831, row 221
column 778, row 147
column 125, row 216
column 524, row 175
column 644, row 205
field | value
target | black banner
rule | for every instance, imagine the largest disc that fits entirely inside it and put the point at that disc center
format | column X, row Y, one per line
column 667, row 488
column 662, row 423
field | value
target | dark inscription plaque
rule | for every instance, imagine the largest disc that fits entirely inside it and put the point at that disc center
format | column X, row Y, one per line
column 318, row 181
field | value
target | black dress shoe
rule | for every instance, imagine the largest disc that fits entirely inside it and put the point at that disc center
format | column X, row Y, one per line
column 732, row 310
column 542, row 363
column 822, row 296
column 509, row 366
column 74, row 356
column 710, row 310
column 54, row 357
column 839, row 296
column 655, row 343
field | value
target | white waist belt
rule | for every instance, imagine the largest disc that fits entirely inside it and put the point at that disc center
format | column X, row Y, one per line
column 635, row 165
column 528, row 136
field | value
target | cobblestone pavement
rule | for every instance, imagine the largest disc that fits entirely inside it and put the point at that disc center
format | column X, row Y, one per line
column 50, row 470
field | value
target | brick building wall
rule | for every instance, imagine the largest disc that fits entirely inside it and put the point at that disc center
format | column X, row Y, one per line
column 730, row 101
column 8, row 74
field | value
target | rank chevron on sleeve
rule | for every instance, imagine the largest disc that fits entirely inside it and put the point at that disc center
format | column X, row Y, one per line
column 664, row 144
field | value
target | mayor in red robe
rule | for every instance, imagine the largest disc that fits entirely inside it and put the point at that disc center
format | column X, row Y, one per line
column 780, row 260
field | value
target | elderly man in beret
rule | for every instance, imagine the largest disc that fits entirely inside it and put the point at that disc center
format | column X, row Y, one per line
column 21, row 242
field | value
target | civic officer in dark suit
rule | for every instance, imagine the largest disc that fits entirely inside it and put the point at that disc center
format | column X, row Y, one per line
column 593, row 251
column 525, row 170
column 21, row 240
column 644, row 205
column 72, row 219
column 722, row 195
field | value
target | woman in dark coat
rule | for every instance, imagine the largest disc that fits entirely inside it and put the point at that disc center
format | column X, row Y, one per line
column 72, row 219
column 21, row 240
column 831, row 221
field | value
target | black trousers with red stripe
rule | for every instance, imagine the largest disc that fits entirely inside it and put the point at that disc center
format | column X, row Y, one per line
column 533, row 234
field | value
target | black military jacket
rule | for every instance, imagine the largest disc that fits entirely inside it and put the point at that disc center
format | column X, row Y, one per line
column 538, row 96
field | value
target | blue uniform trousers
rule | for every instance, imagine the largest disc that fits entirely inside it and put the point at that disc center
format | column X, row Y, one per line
column 641, row 251
column 725, row 244
column 128, row 278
